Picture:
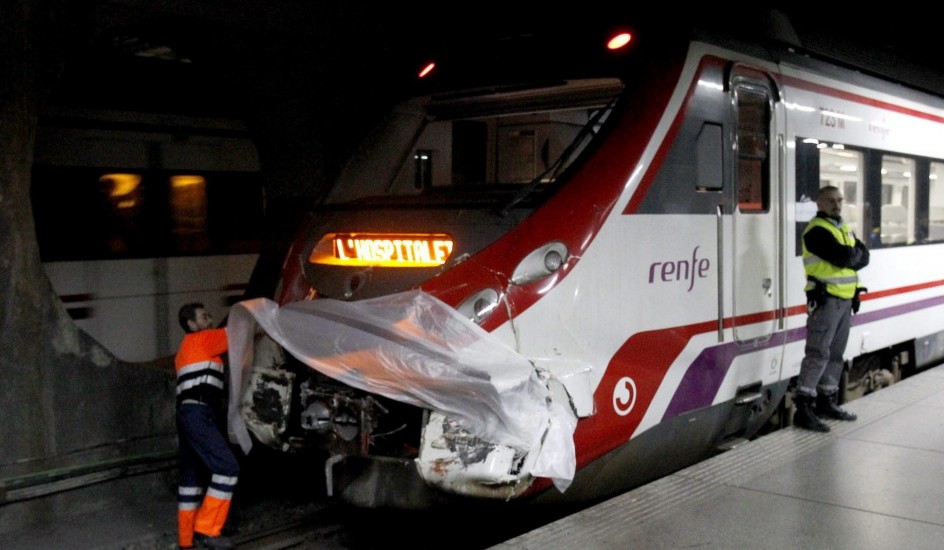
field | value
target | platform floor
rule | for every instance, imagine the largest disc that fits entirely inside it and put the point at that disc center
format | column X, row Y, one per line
column 876, row 483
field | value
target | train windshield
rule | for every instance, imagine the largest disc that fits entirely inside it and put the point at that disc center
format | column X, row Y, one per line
column 485, row 143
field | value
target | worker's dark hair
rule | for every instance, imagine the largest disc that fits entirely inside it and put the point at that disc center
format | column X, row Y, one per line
column 825, row 188
column 188, row 312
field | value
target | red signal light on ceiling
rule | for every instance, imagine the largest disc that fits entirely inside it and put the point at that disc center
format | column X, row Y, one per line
column 619, row 40
column 427, row 69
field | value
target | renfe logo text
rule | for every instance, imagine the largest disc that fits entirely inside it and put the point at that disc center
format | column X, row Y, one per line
column 680, row 270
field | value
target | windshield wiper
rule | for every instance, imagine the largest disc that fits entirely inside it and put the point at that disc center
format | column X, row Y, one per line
column 562, row 161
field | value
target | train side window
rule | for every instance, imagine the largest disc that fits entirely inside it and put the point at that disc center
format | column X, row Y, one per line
column 819, row 164
column 753, row 162
column 936, row 202
column 128, row 202
column 517, row 154
column 235, row 212
column 188, row 198
column 897, row 220
column 844, row 168
column 469, row 152
column 86, row 214
column 709, row 155
column 807, row 182
column 422, row 169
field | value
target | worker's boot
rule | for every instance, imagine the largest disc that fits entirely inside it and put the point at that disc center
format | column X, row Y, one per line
column 828, row 406
column 805, row 417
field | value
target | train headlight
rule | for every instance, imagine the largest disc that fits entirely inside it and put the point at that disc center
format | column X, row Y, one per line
column 540, row 263
column 479, row 306
column 553, row 260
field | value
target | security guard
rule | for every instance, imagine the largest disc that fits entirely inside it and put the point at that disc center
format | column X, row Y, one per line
column 203, row 447
column 831, row 257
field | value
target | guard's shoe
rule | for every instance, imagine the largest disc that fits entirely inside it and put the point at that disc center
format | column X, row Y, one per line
column 214, row 543
column 826, row 405
column 805, row 418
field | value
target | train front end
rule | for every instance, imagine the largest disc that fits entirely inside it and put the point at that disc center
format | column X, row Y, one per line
column 404, row 389
column 391, row 348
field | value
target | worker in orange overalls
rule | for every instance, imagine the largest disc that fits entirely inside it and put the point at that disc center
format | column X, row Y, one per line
column 203, row 447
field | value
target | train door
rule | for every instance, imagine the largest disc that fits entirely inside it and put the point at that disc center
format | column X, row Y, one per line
column 756, row 283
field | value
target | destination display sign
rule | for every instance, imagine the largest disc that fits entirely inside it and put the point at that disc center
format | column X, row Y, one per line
column 382, row 249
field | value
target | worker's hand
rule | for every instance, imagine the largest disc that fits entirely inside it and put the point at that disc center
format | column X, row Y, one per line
column 856, row 302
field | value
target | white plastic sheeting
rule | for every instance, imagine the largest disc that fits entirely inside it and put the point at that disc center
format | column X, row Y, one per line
column 413, row 348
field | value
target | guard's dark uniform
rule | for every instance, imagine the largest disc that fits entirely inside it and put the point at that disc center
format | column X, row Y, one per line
column 831, row 257
column 203, row 448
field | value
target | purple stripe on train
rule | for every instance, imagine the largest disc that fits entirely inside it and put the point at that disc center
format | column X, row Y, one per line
column 703, row 378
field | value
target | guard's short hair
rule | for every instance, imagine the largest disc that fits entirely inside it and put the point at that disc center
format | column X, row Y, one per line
column 188, row 312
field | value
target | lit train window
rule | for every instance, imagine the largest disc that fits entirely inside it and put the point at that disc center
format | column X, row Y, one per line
column 885, row 195
column 88, row 213
column 819, row 164
column 936, row 203
column 897, row 225
column 844, row 168
column 188, row 199
column 124, row 203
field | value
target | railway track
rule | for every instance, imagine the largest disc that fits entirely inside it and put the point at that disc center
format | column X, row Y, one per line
column 333, row 526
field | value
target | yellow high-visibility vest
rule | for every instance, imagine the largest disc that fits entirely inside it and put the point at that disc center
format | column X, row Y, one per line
column 840, row 281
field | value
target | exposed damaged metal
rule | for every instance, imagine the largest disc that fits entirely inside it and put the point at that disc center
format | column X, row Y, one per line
column 434, row 389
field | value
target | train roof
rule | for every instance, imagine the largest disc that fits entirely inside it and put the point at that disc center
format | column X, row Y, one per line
column 866, row 51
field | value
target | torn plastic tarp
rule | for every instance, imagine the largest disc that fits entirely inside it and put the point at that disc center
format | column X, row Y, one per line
column 414, row 348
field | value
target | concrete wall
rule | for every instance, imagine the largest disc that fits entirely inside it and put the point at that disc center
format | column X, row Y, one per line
column 76, row 422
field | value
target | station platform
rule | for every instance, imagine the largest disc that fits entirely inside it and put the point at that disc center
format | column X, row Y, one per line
column 875, row 483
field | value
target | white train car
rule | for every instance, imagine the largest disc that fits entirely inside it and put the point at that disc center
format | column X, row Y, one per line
column 138, row 214
column 572, row 277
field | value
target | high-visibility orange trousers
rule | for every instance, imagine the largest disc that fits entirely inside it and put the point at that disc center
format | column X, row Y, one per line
column 207, row 519
column 203, row 449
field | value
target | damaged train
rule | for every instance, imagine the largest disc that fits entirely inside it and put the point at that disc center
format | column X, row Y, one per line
column 575, row 267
